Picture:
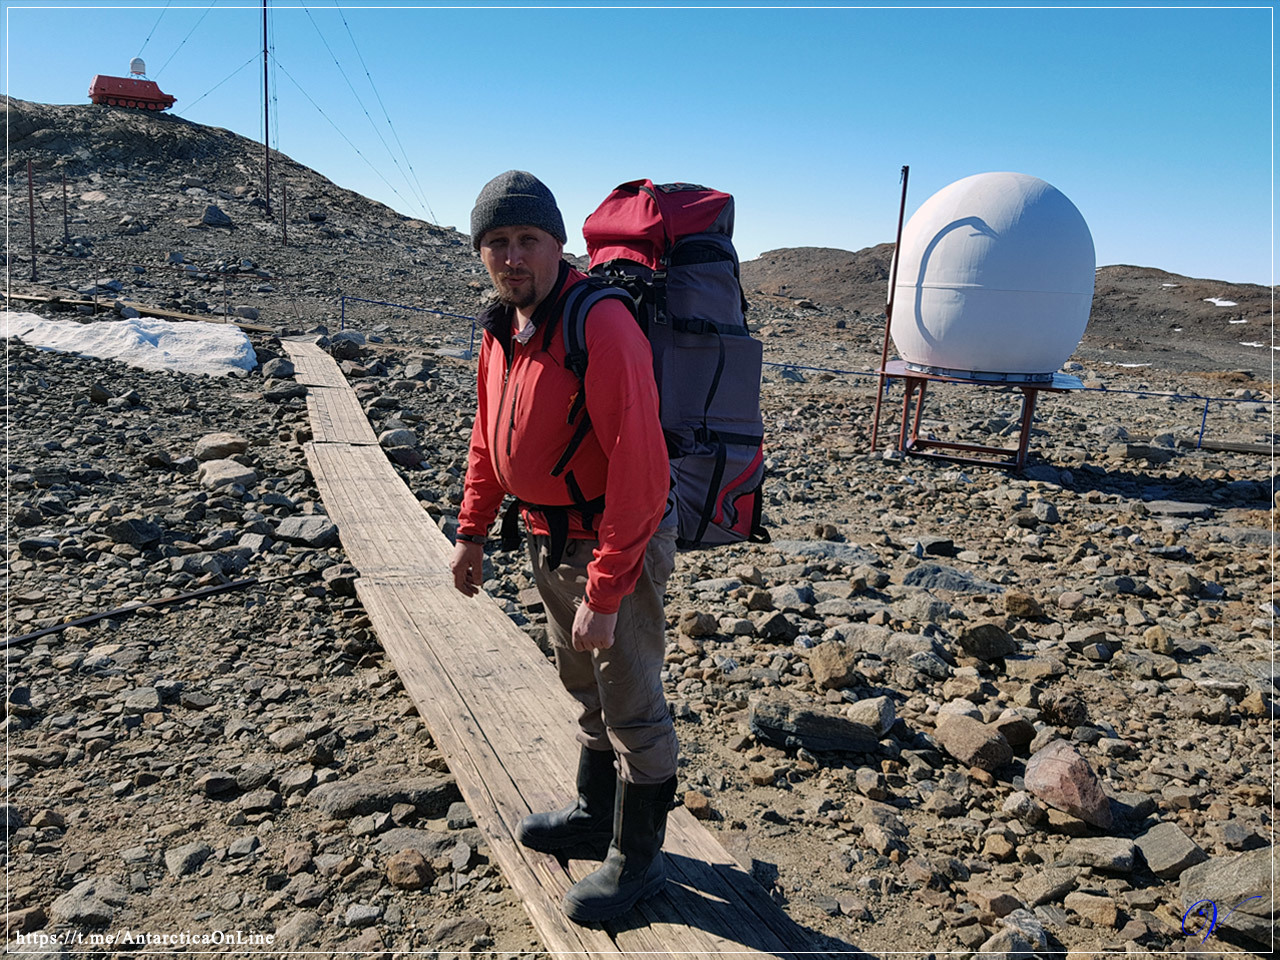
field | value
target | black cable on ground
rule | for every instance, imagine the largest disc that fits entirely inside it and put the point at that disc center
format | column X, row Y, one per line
column 163, row 601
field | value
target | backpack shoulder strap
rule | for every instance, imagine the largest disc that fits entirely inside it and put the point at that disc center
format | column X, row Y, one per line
column 578, row 301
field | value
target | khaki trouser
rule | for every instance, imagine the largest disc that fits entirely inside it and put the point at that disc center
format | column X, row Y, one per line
column 619, row 689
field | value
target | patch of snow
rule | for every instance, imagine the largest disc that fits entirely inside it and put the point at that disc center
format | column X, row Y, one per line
column 1133, row 364
column 1177, row 329
column 190, row 347
column 1237, row 321
column 1219, row 302
column 1168, row 284
column 149, row 344
column 1250, row 343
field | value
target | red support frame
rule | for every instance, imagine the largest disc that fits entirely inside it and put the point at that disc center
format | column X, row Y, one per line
column 917, row 383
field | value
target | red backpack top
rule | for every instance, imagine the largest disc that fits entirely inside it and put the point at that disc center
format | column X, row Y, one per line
column 668, row 249
column 641, row 220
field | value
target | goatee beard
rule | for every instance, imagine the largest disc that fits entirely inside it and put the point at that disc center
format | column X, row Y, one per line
column 518, row 299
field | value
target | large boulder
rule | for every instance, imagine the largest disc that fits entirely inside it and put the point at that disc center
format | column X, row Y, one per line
column 134, row 531
column 1168, row 851
column 91, row 902
column 223, row 473
column 314, row 531
column 972, row 742
column 214, row 217
column 1241, row 887
column 431, row 794
column 987, row 640
column 220, row 446
column 1063, row 779
column 833, row 666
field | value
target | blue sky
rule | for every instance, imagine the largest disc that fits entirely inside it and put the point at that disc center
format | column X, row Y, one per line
column 1157, row 122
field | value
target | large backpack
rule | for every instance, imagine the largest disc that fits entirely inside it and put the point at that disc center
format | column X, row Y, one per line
column 667, row 250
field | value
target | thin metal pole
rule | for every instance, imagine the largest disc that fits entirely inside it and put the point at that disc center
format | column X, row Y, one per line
column 284, row 210
column 1203, row 420
column 888, row 310
column 31, row 204
column 66, row 233
column 342, row 321
column 266, row 111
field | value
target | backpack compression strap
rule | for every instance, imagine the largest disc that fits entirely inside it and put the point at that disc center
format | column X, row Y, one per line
column 578, row 302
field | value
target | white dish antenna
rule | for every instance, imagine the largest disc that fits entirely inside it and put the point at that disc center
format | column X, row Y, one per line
column 995, row 280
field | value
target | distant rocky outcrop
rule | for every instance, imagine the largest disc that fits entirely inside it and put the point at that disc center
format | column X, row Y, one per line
column 855, row 282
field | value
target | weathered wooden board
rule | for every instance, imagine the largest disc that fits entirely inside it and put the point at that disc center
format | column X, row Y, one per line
column 1227, row 446
column 313, row 367
column 142, row 308
column 383, row 527
column 150, row 311
column 337, row 415
column 497, row 711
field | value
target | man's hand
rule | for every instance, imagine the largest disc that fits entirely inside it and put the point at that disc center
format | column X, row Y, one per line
column 468, row 558
column 591, row 630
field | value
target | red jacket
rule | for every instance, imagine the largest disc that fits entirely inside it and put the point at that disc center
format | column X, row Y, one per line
column 521, row 430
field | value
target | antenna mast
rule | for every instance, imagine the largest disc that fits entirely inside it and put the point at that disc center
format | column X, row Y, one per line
column 266, row 112
column 888, row 308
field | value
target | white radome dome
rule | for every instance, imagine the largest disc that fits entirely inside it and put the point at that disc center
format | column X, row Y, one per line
column 137, row 66
column 995, row 280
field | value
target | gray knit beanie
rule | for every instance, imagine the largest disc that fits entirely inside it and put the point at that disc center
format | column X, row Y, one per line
column 515, row 198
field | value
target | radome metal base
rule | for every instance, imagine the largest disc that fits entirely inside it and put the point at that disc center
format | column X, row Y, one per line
column 911, row 444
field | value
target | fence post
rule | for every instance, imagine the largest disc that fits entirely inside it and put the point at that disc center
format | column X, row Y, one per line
column 471, row 347
column 1203, row 420
column 342, row 322
column 31, row 204
column 66, row 232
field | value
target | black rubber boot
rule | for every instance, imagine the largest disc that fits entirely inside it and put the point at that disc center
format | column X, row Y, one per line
column 633, row 869
column 583, row 829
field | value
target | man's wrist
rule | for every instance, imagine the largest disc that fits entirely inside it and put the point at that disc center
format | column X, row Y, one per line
column 472, row 538
column 597, row 608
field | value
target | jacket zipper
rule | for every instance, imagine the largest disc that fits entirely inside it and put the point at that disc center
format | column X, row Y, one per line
column 511, row 427
column 497, row 421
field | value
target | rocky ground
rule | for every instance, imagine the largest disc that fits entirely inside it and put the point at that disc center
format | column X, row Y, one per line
column 947, row 709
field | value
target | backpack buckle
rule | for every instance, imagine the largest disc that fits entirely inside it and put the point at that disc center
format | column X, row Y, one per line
column 659, row 286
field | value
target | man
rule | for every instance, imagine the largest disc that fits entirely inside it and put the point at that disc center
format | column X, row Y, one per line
column 600, row 561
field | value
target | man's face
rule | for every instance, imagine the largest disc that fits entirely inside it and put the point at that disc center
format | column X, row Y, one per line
column 523, row 263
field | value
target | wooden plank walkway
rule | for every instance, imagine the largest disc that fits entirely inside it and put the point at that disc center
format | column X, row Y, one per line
column 145, row 309
column 497, row 711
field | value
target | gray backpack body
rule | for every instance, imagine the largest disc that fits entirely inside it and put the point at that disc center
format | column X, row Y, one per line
column 688, row 300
